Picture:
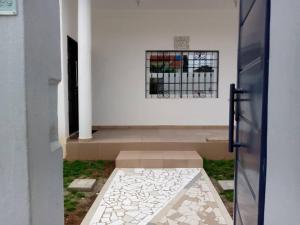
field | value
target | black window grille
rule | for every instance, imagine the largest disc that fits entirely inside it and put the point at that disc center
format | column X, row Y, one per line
column 182, row 74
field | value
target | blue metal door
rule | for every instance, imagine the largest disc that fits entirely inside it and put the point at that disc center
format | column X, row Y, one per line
column 248, row 106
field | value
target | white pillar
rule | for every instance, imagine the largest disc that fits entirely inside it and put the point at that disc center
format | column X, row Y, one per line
column 84, row 69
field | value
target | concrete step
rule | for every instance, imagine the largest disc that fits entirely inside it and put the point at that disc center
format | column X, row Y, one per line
column 159, row 159
column 213, row 149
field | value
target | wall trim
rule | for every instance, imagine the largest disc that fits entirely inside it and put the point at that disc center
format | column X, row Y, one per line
column 100, row 127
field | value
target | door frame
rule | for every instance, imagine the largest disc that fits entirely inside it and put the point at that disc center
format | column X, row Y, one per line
column 71, row 133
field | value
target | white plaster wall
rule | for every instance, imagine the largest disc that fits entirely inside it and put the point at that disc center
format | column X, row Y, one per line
column 68, row 26
column 14, row 175
column 31, row 184
column 283, row 180
column 120, row 39
column 42, row 74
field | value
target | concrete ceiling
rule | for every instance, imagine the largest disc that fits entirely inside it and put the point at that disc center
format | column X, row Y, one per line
column 163, row 4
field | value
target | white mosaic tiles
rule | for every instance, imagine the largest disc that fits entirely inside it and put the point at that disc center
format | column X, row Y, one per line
column 157, row 196
column 195, row 205
column 136, row 195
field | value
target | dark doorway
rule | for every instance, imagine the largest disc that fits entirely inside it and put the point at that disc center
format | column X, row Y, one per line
column 73, row 85
column 250, row 99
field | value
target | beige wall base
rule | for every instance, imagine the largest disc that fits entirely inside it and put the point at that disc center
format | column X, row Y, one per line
column 159, row 159
column 109, row 151
column 99, row 127
column 209, row 141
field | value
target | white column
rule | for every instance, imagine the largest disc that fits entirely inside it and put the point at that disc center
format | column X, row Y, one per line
column 84, row 69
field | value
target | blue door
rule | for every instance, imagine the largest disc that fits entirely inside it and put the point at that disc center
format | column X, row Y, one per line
column 248, row 107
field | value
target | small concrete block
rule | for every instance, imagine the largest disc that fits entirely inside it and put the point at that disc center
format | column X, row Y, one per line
column 84, row 185
column 226, row 185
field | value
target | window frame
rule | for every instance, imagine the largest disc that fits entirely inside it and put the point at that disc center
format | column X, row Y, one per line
column 181, row 93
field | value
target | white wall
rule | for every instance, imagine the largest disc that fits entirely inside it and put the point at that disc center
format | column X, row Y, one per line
column 68, row 26
column 120, row 39
column 283, row 179
column 14, row 175
column 31, row 175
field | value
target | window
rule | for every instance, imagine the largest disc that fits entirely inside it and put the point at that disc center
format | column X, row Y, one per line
column 182, row 74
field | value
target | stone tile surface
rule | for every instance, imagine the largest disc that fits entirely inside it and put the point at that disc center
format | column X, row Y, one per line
column 196, row 204
column 226, row 185
column 157, row 196
column 82, row 185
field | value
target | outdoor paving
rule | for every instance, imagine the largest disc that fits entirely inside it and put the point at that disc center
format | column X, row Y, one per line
column 82, row 185
column 158, row 196
column 194, row 135
column 226, row 185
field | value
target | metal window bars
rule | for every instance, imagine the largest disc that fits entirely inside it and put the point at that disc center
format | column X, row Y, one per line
column 182, row 74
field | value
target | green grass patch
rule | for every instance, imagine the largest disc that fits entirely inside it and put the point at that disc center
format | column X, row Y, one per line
column 221, row 170
column 79, row 169
column 82, row 169
column 229, row 195
column 70, row 202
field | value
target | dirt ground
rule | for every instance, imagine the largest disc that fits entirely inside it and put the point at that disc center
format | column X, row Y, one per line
column 76, row 217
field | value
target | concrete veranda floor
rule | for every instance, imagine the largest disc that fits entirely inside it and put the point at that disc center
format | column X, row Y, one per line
column 209, row 142
column 160, row 134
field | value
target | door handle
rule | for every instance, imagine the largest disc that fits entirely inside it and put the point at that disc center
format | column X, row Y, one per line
column 76, row 65
column 232, row 113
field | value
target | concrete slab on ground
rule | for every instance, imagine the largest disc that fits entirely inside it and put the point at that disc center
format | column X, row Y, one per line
column 226, row 185
column 159, row 159
column 84, row 185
